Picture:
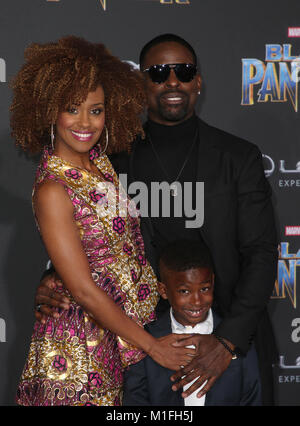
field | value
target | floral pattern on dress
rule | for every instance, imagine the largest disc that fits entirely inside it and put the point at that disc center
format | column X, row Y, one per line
column 119, row 225
column 73, row 173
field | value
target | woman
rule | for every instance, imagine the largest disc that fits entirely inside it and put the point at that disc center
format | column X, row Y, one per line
column 76, row 94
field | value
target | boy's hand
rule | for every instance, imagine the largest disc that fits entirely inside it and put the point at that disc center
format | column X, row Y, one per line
column 46, row 298
column 209, row 363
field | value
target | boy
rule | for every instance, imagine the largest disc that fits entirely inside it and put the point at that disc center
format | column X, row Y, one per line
column 187, row 282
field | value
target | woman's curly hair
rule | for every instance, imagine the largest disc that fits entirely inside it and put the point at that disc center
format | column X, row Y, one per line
column 58, row 75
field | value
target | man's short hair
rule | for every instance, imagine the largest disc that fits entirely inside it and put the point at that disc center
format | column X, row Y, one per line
column 182, row 255
column 164, row 38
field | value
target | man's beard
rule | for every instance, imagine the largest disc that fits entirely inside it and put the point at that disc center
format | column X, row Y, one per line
column 173, row 112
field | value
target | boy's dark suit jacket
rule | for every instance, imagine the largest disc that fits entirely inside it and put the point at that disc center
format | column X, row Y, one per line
column 147, row 383
column 240, row 232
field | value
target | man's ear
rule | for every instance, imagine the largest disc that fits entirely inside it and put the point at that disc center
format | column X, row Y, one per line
column 199, row 82
column 162, row 289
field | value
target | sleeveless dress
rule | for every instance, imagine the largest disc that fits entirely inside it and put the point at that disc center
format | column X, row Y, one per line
column 72, row 361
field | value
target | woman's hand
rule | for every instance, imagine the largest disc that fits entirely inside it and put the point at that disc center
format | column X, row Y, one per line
column 168, row 356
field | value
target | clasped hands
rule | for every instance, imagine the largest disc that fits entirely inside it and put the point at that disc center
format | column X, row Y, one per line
column 211, row 359
column 205, row 363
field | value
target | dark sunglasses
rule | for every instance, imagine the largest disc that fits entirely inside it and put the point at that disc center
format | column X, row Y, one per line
column 160, row 73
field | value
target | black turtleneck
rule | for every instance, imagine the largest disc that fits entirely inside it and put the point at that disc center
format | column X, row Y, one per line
column 172, row 144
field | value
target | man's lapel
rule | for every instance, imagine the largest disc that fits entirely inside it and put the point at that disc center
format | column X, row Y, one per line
column 206, row 172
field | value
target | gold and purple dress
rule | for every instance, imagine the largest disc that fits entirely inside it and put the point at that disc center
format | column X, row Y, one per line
column 73, row 361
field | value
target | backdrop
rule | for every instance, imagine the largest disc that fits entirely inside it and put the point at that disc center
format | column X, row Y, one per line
column 248, row 55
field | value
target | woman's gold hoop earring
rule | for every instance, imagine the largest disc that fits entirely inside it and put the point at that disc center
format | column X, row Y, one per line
column 106, row 141
column 52, row 136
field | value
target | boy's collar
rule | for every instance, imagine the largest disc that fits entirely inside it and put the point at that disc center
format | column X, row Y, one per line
column 202, row 326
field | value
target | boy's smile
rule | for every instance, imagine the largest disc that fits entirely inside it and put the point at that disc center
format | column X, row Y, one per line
column 190, row 293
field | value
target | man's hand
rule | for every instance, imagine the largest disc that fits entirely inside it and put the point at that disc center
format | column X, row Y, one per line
column 209, row 363
column 47, row 298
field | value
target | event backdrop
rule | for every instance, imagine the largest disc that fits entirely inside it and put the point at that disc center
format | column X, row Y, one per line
column 248, row 55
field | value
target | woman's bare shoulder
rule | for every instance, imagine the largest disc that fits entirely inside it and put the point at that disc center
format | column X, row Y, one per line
column 51, row 194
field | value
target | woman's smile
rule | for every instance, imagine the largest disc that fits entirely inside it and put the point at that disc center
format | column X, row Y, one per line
column 82, row 136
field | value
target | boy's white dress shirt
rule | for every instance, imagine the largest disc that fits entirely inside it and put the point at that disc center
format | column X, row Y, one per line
column 205, row 327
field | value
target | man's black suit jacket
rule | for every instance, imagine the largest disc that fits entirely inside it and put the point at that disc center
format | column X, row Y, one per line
column 239, row 229
column 148, row 383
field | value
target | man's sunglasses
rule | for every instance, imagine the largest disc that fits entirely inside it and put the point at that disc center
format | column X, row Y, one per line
column 160, row 73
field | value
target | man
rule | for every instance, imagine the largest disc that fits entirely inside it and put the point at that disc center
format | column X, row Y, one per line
column 238, row 227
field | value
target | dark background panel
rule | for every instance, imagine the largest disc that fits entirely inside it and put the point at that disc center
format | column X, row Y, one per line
column 222, row 33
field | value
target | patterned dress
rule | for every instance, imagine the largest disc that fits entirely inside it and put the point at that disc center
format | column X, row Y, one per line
column 72, row 361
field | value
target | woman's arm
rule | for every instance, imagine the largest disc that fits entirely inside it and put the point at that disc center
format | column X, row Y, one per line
column 54, row 212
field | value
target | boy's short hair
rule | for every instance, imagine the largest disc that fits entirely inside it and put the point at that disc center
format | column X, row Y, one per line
column 182, row 255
